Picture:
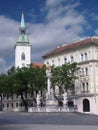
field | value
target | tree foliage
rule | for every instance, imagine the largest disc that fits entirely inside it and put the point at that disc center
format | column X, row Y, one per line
column 20, row 81
column 25, row 80
column 64, row 76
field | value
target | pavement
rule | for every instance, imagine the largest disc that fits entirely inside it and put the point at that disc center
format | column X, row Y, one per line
column 47, row 121
column 47, row 127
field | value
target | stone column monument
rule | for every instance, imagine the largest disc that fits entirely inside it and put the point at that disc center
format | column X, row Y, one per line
column 51, row 103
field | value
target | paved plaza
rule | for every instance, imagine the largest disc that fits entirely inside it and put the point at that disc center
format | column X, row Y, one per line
column 47, row 127
column 47, row 121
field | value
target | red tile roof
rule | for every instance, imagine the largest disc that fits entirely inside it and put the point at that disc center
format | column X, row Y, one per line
column 73, row 45
column 37, row 64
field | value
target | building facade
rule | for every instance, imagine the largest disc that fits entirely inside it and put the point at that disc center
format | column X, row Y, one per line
column 85, row 53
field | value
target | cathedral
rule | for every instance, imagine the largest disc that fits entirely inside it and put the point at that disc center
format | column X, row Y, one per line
column 22, row 59
column 22, row 47
column 84, row 52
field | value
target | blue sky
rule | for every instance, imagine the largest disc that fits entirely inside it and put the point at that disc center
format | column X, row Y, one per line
column 49, row 23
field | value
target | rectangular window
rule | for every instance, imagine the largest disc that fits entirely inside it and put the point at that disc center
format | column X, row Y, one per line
column 16, row 104
column 12, row 104
column 86, row 71
column 86, row 58
column 82, row 72
column 87, row 89
column 81, row 57
column 72, row 59
column 83, row 87
column 7, row 105
column 65, row 60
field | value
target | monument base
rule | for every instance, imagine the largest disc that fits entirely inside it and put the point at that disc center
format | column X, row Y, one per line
column 51, row 105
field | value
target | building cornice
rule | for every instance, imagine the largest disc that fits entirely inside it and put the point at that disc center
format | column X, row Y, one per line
column 93, row 41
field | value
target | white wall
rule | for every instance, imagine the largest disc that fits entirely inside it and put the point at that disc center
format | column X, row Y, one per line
column 18, row 51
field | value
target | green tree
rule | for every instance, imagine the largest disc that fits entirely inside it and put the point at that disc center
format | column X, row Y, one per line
column 38, row 80
column 64, row 76
column 3, row 85
column 24, row 80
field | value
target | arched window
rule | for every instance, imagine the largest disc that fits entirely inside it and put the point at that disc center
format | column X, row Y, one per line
column 86, row 105
column 23, row 56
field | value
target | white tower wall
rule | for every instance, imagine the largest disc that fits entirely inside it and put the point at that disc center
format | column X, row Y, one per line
column 19, row 50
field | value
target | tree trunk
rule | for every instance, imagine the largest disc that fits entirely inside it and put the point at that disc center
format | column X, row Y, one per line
column 24, row 101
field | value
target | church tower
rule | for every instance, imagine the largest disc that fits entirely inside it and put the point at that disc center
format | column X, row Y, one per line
column 22, row 47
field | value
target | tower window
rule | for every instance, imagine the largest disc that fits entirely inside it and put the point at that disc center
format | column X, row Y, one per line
column 23, row 56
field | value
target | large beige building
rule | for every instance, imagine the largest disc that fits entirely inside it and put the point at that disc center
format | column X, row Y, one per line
column 85, row 53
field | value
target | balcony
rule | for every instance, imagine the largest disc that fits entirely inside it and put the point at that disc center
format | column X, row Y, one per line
column 85, row 92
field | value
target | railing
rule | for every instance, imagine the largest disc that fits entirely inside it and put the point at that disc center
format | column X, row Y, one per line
column 52, row 109
column 85, row 92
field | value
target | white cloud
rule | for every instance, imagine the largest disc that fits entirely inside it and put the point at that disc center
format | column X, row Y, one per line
column 52, row 3
column 8, row 34
column 63, row 23
column 8, row 31
column 96, row 32
column 94, row 16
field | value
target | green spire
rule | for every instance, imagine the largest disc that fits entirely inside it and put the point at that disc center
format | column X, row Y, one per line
column 22, row 26
column 23, row 39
